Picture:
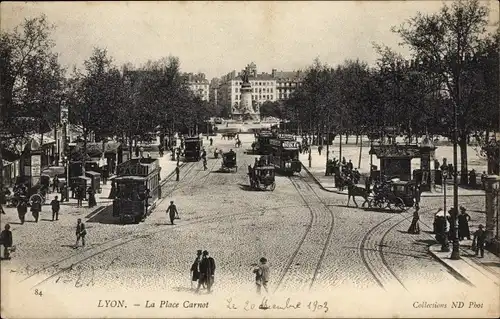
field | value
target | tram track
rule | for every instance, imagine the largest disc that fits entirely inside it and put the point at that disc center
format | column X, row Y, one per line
column 148, row 227
column 103, row 247
column 124, row 240
column 373, row 256
column 313, row 234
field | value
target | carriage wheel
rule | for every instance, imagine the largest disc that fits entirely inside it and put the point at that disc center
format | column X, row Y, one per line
column 40, row 198
column 400, row 204
column 273, row 186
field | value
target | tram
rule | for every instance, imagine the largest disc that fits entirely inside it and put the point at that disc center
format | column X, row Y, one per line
column 262, row 145
column 192, row 148
column 137, row 189
column 285, row 154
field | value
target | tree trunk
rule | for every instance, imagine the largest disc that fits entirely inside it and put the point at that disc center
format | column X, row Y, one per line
column 360, row 151
column 357, row 139
column 346, row 137
column 462, row 142
column 85, row 137
column 130, row 146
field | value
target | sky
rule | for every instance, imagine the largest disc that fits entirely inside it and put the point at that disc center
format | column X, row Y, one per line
column 218, row 37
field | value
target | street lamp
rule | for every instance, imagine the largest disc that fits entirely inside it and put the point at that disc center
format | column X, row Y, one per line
column 445, row 176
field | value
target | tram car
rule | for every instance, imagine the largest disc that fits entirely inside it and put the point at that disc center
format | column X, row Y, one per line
column 137, row 189
column 262, row 144
column 285, row 154
column 192, row 148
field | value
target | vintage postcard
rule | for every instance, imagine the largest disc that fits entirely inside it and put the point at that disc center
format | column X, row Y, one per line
column 250, row 159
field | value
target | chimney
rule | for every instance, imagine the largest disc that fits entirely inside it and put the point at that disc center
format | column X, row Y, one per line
column 273, row 73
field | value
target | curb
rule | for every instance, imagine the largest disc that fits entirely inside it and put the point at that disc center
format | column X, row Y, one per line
column 341, row 193
column 450, row 268
column 164, row 181
column 319, row 183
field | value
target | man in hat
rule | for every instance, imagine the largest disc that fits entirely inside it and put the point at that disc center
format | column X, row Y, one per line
column 195, row 268
column 177, row 172
column 479, row 239
column 172, row 212
column 463, row 224
column 6, row 240
column 207, row 272
column 55, row 208
column 262, row 275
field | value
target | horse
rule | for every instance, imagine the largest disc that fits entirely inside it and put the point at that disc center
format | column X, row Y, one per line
column 353, row 191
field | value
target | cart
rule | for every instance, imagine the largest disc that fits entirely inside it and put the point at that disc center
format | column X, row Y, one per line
column 229, row 161
column 396, row 195
column 262, row 178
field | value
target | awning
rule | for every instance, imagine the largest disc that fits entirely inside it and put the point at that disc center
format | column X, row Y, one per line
column 6, row 163
column 53, row 171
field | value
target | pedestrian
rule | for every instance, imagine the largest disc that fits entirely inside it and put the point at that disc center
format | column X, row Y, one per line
column 320, row 148
column 417, row 193
column 55, row 184
column 207, row 272
column 368, row 183
column 81, row 232
column 92, row 201
column 177, row 172
column 204, row 163
column 414, row 227
column 463, row 224
column 36, row 208
column 1, row 209
column 6, row 240
column 483, row 180
column 195, row 268
column 262, row 275
column 211, row 141
column 478, row 241
column 136, row 151
column 55, row 208
column 22, row 210
column 172, row 212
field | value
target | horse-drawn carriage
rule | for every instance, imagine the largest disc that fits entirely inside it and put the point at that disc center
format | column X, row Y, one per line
column 396, row 195
column 229, row 161
column 229, row 135
column 262, row 178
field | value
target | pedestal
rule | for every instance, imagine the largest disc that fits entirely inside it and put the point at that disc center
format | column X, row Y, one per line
column 492, row 185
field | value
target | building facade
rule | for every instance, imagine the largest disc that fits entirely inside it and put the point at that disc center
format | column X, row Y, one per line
column 272, row 87
column 213, row 94
column 198, row 84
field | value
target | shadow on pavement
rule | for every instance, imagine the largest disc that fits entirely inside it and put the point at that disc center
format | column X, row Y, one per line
column 245, row 187
column 185, row 289
column 103, row 215
column 69, row 246
column 491, row 263
column 46, row 220
column 427, row 242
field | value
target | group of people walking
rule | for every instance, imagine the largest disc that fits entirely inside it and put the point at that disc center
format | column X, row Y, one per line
column 202, row 271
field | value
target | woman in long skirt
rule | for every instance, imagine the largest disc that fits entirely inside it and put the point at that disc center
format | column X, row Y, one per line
column 414, row 227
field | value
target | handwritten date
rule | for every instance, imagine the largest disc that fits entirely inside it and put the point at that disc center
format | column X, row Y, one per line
column 313, row 306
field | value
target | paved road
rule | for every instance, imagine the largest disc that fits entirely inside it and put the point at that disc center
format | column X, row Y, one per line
column 311, row 239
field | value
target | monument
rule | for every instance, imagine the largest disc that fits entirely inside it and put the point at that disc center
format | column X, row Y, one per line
column 245, row 110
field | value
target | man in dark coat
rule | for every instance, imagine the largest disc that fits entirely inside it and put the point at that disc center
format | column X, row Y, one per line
column 478, row 241
column 6, row 240
column 177, row 172
column 22, row 210
column 172, row 212
column 463, row 224
column 211, row 141
column 36, row 208
column 56, row 206
column 207, row 272
column 195, row 268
